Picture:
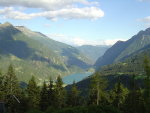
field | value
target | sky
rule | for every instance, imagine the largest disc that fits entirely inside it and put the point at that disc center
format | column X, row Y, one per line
column 79, row 22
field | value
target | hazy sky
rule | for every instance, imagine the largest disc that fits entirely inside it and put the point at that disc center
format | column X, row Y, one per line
column 79, row 22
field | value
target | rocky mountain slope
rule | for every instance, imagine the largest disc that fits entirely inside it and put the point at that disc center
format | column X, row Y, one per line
column 34, row 54
column 123, row 49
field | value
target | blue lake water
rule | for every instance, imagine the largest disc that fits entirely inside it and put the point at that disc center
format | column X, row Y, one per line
column 75, row 77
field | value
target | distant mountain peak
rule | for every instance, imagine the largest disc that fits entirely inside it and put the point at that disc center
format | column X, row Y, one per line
column 123, row 49
column 22, row 28
column 120, row 41
column 7, row 24
column 29, row 50
column 148, row 29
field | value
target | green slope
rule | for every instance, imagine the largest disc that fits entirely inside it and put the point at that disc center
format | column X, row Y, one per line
column 121, row 50
column 133, row 65
column 33, row 53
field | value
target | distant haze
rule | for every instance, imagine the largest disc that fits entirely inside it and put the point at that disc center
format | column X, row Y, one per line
column 93, row 52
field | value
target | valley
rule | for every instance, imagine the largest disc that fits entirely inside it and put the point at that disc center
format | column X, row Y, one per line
column 66, row 78
column 74, row 56
column 34, row 54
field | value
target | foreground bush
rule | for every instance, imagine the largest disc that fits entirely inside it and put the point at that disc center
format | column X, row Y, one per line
column 34, row 111
column 89, row 109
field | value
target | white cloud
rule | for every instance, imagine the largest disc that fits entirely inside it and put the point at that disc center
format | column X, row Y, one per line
column 77, row 41
column 9, row 12
column 45, row 4
column 51, row 9
column 91, row 13
column 112, row 41
column 146, row 19
column 47, row 25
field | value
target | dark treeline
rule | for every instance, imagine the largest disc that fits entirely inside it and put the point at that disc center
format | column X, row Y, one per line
column 52, row 97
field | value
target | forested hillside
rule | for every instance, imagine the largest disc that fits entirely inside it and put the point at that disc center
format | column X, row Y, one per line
column 33, row 53
column 98, row 97
column 123, row 49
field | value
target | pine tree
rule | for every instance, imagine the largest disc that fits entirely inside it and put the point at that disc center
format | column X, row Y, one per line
column 1, row 87
column 12, row 90
column 132, row 96
column 134, row 102
column 73, row 96
column 23, row 106
column 44, row 97
column 120, row 93
column 60, row 93
column 33, row 94
column 51, row 92
column 147, row 85
column 97, row 89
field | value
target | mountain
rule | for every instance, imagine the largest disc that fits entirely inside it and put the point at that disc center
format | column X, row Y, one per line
column 123, row 49
column 133, row 65
column 93, row 52
column 33, row 53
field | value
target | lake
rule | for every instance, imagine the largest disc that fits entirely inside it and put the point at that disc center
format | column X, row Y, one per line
column 75, row 77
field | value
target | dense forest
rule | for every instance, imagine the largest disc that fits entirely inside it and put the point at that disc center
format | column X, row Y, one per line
column 53, row 97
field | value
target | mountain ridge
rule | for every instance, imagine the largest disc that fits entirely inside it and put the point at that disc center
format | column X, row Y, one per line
column 121, row 50
column 33, row 53
column 93, row 52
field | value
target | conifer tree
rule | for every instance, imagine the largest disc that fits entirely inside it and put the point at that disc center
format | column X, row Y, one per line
column 134, row 102
column 33, row 94
column 44, row 97
column 51, row 92
column 120, row 93
column 147, row 85
column 12, row 90
column 97, row 89
column 73, row 96
column 23, row 106
column 1, row 87
column 60, row 93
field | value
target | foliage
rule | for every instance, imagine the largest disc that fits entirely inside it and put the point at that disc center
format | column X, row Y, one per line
column 33, row 94
column 147, row 85
column 134, row 102
column 119, row 94
column 50, row 109
column 59, row 93
column 97, row 89
column 89, row 109
column 1, row 88
column 11, row 90
column 44, row 97
column 53, row 97
column 51, row 94
column 73, row 97
column 34, row 111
